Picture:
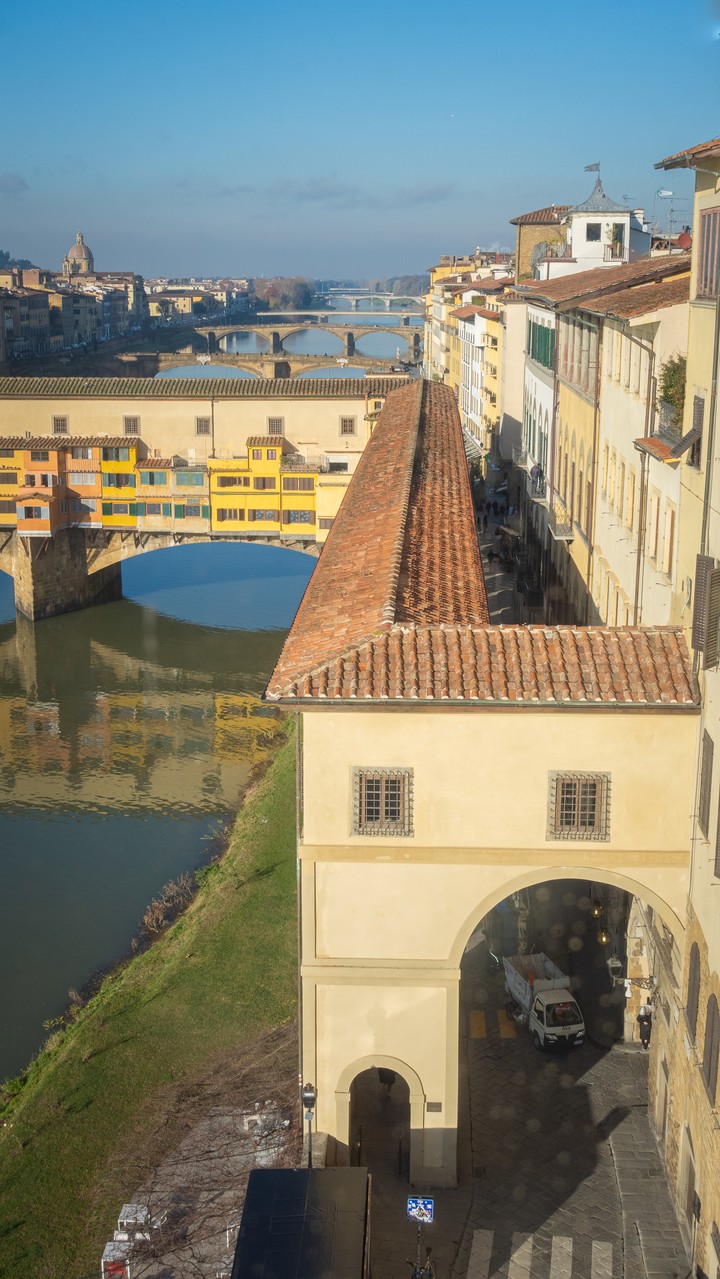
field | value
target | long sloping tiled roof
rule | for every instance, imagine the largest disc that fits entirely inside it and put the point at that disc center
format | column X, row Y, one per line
column 681, row 159
column 642, row 300
column 532, row 665
column 64, row 442
column 396, row 609
column 609, row 279
column 388, row 560
column 216, row 388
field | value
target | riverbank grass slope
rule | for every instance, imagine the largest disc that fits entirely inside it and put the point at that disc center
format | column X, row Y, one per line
column 222, row 975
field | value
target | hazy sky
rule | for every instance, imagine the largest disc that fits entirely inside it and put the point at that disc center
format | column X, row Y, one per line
column 332, row 139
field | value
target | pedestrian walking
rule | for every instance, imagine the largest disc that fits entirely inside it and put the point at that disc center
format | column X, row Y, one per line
column 488, row 507
column 645, row 1023
column 484, row 523
column 491, row 555
column 495, row 509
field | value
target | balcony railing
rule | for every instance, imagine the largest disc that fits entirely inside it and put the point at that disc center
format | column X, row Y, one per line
column 615, row 252
column 560, row 520
column 519, row 454
column 668, row 421
column 536, row 486
column 558, row 249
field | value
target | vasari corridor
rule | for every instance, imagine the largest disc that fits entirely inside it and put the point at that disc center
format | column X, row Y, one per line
column 359, row 642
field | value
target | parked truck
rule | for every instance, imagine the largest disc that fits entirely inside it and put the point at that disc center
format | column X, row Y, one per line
column 539, row 997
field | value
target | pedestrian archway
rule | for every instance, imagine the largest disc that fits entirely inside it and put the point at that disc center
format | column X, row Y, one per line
column 380, row 1132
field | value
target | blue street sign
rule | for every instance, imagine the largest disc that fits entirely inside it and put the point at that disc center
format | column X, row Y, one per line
column 421, row 1210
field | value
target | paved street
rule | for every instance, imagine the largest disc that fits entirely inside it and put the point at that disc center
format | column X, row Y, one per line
column 560, row 1175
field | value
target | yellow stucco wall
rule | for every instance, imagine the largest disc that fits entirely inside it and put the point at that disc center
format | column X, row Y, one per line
column 385, row 920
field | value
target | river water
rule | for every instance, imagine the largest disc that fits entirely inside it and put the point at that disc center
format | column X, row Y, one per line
column 127, row 732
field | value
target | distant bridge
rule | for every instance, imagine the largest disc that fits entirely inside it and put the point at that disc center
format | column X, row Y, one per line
column 349, row 337
column 357, row 295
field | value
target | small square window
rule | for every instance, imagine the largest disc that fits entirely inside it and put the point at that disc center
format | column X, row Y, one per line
column 578, row 806
column 382, row 801
column 202, row 425
column 593, row 231
column 131, row 425
column 276, row 425
column 60, row 426
column 347, row 425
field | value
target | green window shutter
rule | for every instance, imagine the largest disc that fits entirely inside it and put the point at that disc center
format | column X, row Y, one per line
column 166, row 508
column 179, row 512
column 133, row 508
column 107, row 508
column 205, row 512
column 139, row 508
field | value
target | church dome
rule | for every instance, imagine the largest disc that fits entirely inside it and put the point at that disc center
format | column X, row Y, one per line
column 80, row 253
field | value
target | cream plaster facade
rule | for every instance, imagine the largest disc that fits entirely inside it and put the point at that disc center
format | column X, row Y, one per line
column 385, row 920
column 317, row 425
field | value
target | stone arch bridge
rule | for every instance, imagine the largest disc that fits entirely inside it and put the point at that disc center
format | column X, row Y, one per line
column 78, row 567
column 275, row 336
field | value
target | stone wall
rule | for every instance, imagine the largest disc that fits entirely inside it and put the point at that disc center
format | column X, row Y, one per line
column 686, row 1121
column 51, row 576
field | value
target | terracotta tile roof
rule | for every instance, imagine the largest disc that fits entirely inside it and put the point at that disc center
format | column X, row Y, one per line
column 682, row 159
column 643, row 299
column 198, row 388
column 59, row 443
column 264, row 441
column 543, row 217
column 657, row 448
column 403, row 547
column 583, row 284
column 490, row 285
column 508, row 665
column 464, row 313
column 156, row 463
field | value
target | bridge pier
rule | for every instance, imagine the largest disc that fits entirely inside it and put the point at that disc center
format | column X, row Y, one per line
column 386, row 302
column 276, row 347
column 353, row 304
column 416, row 345
column 350, row 344
column 51, row 576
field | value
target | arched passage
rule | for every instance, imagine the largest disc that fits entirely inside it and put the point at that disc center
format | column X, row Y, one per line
column 598, row 874
column 412, row 1125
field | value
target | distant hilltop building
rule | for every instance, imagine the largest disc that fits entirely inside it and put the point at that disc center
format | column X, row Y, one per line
column 79, row 259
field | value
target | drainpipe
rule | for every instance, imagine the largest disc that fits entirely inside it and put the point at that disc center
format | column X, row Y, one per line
column 640, row 552
column 552, row 449
column 212, row 427
column 591, row 513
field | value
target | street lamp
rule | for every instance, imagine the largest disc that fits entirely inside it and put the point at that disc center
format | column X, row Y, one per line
column 308, row 1096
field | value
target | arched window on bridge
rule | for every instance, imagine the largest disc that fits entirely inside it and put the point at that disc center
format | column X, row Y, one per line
column 693, row 994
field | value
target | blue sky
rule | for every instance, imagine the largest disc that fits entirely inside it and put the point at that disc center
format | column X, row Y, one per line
column 329, row 139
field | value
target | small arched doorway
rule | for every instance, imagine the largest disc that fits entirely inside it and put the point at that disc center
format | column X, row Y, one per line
column 390, row 1114
column 380, row 1122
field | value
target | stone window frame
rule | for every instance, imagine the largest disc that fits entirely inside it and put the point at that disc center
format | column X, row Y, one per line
column 599, row 830
column 60, row 425
column 348, row 426
column 276, row 426
column 403, row 802
column 202, row 426
column 131, row 424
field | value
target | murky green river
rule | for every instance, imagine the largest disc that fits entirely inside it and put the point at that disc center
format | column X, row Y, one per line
column 127, row 732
